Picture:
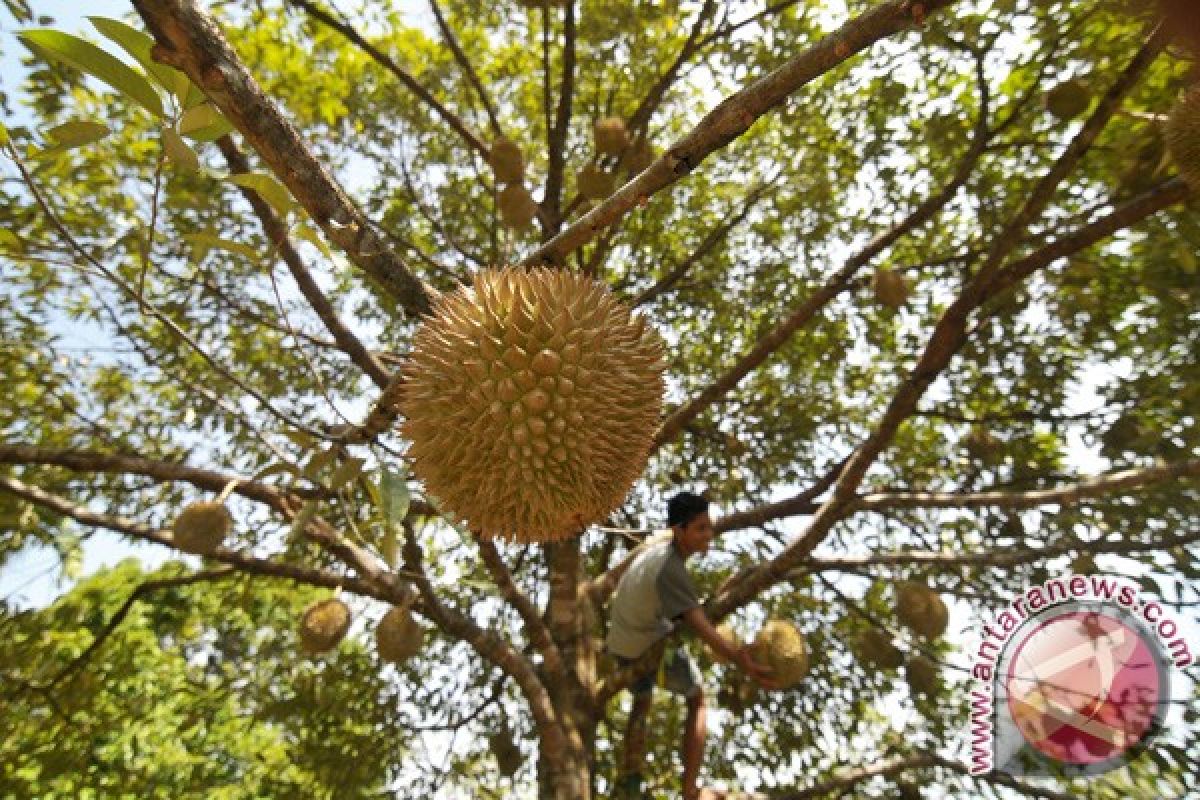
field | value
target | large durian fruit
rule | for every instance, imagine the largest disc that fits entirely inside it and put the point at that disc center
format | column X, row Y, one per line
column 324, row 625
column 517, row 206
column 921, row 609
column 201, row 527
column 1183, row 137
column 873, row 646
column 506, row 160
column 890, row 288
column 611, row 135
column 398, row 637
column 780, row 646
column 921, row 673
column 531, row 399
column 1068, row 99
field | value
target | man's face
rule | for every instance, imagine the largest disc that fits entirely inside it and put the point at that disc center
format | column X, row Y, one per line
column 695, row 536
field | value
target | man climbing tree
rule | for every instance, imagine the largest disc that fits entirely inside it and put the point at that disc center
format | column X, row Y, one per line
column 653, row 595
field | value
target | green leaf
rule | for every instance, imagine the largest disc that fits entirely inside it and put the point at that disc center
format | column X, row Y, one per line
column 395, row 496
column 319, row 461
column 347, row 471
column 268, row 188
column 302, row 519
column 390, row 546
column 77, row 133
column 275, row 469
column 179, row 152
column 85, row 56
column 207, row 241
column 309, row 234
column 196, row 118
column 138, row 44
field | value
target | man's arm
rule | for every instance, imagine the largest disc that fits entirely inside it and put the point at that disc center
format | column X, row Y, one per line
column 730, row 651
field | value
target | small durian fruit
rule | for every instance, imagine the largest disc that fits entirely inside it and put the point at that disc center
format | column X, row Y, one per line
column 594, row 183
column 323, row 625
column 1182, row 135
column 201, row 527
column 506, row 752
column 398, row 636
column 506, row 161
column 611, row 136
column 980, row 443
column 1068, row 99
column 517, row 206
column 780, row 646
column 907, row 791
column 890, row 288
column 922, row 675
column 921, row 609
column 531, row 399
column 875, row 647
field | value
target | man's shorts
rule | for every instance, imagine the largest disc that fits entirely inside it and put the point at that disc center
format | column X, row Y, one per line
column 676, row 673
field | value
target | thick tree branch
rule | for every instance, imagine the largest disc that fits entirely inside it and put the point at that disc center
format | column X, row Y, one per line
column 730, row 119
column 207, row 479
column 1068, row 495
column 1006, row 557
column 535, row 627
column 849, row 778
column 491, row 648
column 276, row 234
column 238, row 560
column 190, row 40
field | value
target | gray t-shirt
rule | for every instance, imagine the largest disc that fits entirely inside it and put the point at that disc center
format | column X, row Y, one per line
column 652, row 594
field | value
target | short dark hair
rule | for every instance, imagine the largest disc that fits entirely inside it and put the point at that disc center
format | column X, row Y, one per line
column 684, row 507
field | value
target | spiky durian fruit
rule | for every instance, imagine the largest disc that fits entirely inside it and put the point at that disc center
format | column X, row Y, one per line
column 922, row 675
column 517, row 206
column 201, row 527
column 398, row 637
column 594, row 183
column 1183, row 137
column 531, row 399
column 780, row 646
column 875, row 647
column 1068, row 99
column 921, row 609
column 982, row 443
column 611, row 135
column 889, row 287
column 323, row 625
column 506, row 752
column 506, row 161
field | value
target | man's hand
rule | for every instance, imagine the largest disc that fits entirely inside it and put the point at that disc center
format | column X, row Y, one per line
column 761, row 674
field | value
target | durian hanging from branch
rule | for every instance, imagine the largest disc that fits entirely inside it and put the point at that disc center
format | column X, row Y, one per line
column 531, row 398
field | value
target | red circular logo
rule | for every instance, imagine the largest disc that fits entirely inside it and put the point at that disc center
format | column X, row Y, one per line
column 1084, row 687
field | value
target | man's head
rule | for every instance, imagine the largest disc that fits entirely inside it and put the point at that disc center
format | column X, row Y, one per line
column 687, row 516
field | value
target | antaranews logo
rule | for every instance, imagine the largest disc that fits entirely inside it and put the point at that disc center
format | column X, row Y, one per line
column 1072, row 678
